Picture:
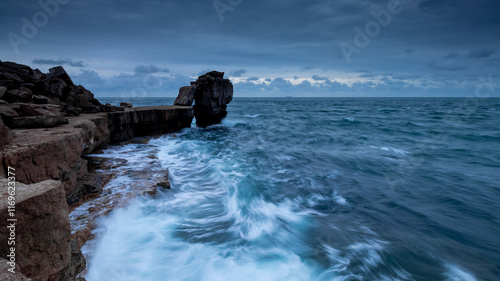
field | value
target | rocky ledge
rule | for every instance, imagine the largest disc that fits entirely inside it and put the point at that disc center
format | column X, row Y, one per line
column 48, row 126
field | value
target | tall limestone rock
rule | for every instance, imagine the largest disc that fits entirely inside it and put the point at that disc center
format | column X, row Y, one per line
column 211, row 94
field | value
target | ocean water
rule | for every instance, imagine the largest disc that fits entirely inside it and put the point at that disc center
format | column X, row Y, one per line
column 315, row 189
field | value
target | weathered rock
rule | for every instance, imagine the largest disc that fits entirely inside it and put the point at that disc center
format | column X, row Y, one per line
column 186, row 96
column 39, row 207
column 5, row 275
column 3, row 90
column 126, row 104
column 5, row 134
column 7, row 111
column 20, row 82
column 30, row 86
column 42, row 121
column 16, row 81
column 40, row 99
column 58, row 87
column 28, row 109
column 213, row 93
column 71, row 110
column 18, row 95
column 41, row 154
column 59, row 72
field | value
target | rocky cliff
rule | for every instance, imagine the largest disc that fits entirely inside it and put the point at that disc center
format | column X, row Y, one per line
column 47, row 126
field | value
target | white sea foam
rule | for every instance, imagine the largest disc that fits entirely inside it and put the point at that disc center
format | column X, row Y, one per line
column 456, row 273
column 392, row 150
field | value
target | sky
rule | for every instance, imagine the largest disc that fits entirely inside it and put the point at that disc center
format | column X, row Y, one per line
column 271, row 48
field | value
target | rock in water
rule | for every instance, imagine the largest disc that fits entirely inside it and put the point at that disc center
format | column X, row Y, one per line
column 212, row 95
column 186, row 96
column 126, row 104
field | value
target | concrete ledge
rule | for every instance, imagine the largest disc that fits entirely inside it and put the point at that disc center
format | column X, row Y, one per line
column 147, row 121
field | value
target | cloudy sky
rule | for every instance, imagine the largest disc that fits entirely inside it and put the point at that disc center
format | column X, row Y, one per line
column 267, row 48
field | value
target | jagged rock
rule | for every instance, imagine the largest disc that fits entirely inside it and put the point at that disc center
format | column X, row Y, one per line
column 71, row 110
column 58, row 87
column 7, row 111
column 111, row 108
column 30, row 86
column 5, row 275
column 18, row 95
column 59, row 72
column 3, row 90
column 126, row 104
column 70, row 98
column 186, row 96
column 5, row 134
column 20, row 82
column 55, row 101
column 46, row 121
column 9, row 84
column 213, row 93
column 39, row 207
column 76, row 265
column 16, row 81
column 27, row 109
column 40, row 99
column 83, row 102
column 38, row 75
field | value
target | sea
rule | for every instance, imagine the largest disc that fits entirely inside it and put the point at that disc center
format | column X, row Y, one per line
column 313, row 189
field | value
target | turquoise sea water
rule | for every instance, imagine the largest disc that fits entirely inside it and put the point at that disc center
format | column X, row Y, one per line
column 315, row 189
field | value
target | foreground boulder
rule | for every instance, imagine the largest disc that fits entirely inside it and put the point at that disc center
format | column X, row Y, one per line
column 39, row 207
column 211, row 94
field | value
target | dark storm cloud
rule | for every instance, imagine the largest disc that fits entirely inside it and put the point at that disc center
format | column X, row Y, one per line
column 237, row 72
column 150, row 69
column 481, row 53
column 265, row 38
column 318, row 78
column 53, row 62
column 306, row 68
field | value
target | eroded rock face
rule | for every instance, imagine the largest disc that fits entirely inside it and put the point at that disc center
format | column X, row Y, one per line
column 186, row 96
column 211, row 94
column 5, row 275
column 5, row 134
column 39, row 207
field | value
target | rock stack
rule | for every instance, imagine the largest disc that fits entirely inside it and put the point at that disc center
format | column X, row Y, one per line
column 211, row 93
